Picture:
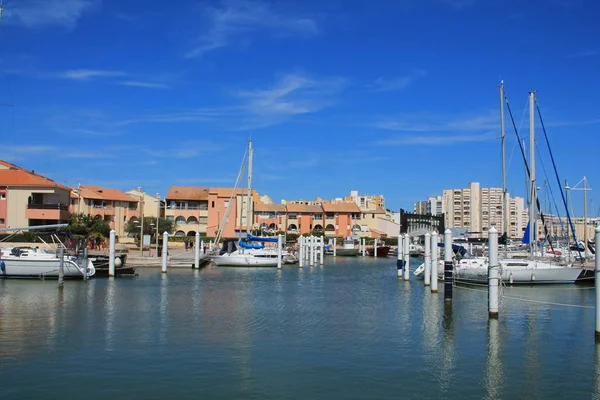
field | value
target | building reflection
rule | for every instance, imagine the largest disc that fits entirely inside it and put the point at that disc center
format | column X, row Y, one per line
column 493, row 370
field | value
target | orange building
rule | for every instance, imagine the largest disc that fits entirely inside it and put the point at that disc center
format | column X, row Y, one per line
column 270, row 218
column 188, row 207
column 29, row 199
column 110, row 205
column 341, row 219
column 304, row 218
column 219, row 200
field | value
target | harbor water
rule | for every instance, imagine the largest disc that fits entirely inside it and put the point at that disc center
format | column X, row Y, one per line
column 347, row 330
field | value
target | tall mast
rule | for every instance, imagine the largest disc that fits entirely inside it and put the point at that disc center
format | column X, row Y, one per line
column 532, row 187
column 585, row 236
column 505, row 205
column 249, row 200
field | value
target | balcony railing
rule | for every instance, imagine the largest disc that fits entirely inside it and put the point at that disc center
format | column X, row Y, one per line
column 56, row 206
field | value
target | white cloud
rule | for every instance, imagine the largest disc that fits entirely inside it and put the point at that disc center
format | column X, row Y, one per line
column 148, row 85
column 86, row 74
column 437, row 140
column 46, row 13
column 437, row 123
column 398, row 83
column 292, row 94
column 242, row 17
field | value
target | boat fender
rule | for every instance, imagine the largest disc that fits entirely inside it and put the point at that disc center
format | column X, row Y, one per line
column 2, row 266
column 400, row 264
column 118, row 262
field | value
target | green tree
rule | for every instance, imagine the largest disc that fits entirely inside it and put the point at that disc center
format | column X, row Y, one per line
column 133, row 226
column 83, row 226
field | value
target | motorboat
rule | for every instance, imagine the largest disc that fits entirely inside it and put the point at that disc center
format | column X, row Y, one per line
column 28, row 262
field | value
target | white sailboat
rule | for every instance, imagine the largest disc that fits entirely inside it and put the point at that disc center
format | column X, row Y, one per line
column 522, row 271
column 249, row 251
column 29, row 262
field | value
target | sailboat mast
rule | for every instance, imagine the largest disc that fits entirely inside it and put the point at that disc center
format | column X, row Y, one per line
column 249, row 200
column 585, row 236
column 532, row 187
column 505, row 205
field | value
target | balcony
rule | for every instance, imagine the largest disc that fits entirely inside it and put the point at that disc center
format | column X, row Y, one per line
column 56, row 212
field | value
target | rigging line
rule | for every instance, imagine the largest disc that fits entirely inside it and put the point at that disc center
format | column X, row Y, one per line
column 556, row 173
column 537, row 200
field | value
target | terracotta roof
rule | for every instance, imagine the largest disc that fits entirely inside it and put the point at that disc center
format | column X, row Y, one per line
column 187, row 193
column 260, row 207
column 21, row 177
column 99, row 193
column 378, row 210
column 341, row 207
column 303, row 208
column 8, row 165
column 227, row 192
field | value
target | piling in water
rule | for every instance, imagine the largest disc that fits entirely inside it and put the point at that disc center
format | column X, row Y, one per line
column 448, row 273
column 493, row 293
column 427, row 277
column 434, row 262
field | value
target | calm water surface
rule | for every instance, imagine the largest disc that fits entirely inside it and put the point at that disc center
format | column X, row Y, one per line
column 348, row 330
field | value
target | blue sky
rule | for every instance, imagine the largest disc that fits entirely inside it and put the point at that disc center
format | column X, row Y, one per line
column 398, row 98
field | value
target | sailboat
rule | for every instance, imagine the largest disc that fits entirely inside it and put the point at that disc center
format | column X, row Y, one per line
column 528, row 271
column 249, row 251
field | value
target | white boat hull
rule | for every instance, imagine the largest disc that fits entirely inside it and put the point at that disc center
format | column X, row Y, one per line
column 43, row 268
column 244, row 260
column 511, row 271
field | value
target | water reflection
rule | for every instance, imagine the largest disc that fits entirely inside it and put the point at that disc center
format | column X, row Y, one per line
column 449, row 350
column 431, row 322
column 110, row 310
column 493, row 371
column 597, row 371
column 163, row 317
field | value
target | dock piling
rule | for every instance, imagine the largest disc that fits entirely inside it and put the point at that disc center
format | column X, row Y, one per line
column 85, row 264
column 334, row 247
column 61, row 268
column 322, row 248
column 197, row 251
column 400, row 261
column 111, row 253
column 493, row 294
column 165, row 251
column 434, row 262
column 427, row 277
column 448, row 273
column 279, row 250
column 406, row 257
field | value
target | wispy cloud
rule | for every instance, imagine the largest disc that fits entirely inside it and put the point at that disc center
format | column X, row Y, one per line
column 46, row 13
column 585, row 53
column 141, row 84
column 242, row 17
column 437, row 123
column 398, row 83
column 437, row 140
column 292, row 94
column 87, row 74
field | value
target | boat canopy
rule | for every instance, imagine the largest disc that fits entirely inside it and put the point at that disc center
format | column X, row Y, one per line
column 251, row 238
column 245, row 245
column 456, row 249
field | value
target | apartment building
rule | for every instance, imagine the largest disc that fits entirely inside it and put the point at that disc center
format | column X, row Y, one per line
column 222, row 199
column 341, row 219
column 270, row 218
column 187, row 207
column 476, row 209
column 365, row 201
column 303, row 218
column 110, row 205
column 29, row 199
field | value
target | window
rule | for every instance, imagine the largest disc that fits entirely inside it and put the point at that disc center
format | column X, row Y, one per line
column 226, row 204
column 3, row 196
column 1, row 221
column 212, row 205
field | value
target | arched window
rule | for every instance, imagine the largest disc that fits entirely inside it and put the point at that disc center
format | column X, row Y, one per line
column 180, row 220
column 273, row 227
column 192, row 220
column 180, row 234
column 330, row 228
column 318, row 227
column 355, row 228
column 292, row 228
column 191, row 233
column 263, row 227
